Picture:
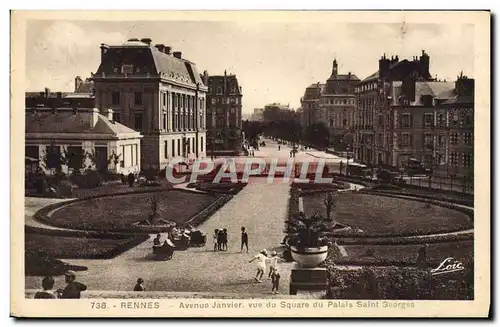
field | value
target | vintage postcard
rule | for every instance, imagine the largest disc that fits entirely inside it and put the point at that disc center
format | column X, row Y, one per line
column 250, row 164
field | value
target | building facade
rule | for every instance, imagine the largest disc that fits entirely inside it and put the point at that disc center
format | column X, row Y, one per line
column 224, row 114
column 337, row 106
column 373, row 139
column 309, row 103
column 157, row 92
column 67, row 132
column 258, row 115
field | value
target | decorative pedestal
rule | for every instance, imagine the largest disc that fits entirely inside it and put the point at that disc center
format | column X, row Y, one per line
column 308, row 279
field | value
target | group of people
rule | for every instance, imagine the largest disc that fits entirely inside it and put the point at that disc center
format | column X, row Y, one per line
column 261, row 259
column 220, row 238
column 72, row 290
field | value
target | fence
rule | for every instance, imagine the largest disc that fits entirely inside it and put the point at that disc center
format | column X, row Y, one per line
column 442, row 183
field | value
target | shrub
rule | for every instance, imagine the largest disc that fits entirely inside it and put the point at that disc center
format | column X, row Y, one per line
column 64, row 189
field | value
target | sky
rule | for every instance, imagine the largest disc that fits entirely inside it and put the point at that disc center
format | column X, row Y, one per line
column 274, row 62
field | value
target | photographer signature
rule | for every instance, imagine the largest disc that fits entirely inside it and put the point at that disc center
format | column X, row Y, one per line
column 448, row 265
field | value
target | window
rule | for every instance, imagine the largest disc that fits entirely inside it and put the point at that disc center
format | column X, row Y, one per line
column 454, row 121
column 213, row 100
column 441, row 121
column 164, row 100
column 440, row 140
column 137, row 70
column 428, row 120
column 201, row 144
column 101, row 157
column 406, row 120
column 115, row 70
column 344, row 122
column 233, row 90
column 467, row 160
column 454, row 138
column 165, row 150
column 468, row 138
column 115, row 97
column 138, row 122
column 138, row 98
column 173, row 147
column 219, row 90
column 468, row 120
column 406, row 139
column 428, row 140
column 127, row 69
column 178, row 147
column 428, row 160
column 116, row 117
column 454, row 159
column 331, row 122
column 164, row 122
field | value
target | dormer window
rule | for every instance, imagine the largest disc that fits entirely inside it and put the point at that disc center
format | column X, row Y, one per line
column 127, row 69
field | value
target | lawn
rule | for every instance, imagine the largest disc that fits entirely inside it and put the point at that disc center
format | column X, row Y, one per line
column 65, row 247
column 380, row 215
column 436, row 253
column 119, row 212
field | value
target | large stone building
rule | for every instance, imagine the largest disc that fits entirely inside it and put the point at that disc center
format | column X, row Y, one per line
column 157, row 92
column 337, row 105
column 224, row 114
column 433, row 122
column 373, row 117
column 257, row 115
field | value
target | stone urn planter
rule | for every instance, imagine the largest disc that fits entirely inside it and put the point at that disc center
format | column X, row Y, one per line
column 309, row 257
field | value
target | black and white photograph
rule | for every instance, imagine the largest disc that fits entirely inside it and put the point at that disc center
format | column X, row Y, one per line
column 216, row 163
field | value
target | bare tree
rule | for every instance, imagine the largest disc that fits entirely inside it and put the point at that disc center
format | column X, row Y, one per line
column 154, row 204
column 329, row 201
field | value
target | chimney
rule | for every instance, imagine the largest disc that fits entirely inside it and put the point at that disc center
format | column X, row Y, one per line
column 110, row 114
column 94, row 117
column 78, row 82
column 178, row 54
column 205, row 78
column 146, row 40
column 104, row 50
column 160, row 47
column 349, row 75
column 167, row 50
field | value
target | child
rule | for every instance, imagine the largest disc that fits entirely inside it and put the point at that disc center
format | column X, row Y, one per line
column 224, row 239
column 215, row 237
column 220, row 236
column 275, row 280
column 47, row 293
column 261, row 264
column 244, row 239
column 273, row 264
column 139, row 287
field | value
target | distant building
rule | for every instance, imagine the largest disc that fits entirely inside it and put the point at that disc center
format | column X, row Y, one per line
column 157, row 92
column 258, row 115
column 273, row 111
column 224, row 114
column 337, row 106
column 311, row 111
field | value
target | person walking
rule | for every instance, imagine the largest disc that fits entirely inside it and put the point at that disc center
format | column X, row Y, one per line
column 139, row 287
column 73, row 288
column 220, row 236
column 46, row 293
column 244, row 239
column 260, row 258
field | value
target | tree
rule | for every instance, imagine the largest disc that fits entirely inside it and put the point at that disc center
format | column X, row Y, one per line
column 154, row 203
column 329, row 201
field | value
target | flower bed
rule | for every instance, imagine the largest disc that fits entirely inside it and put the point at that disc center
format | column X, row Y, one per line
column 385, row 216
column 405, row 255
column 223, row 188
column 376, row 240
column 399, row 284
column 119, row 212
column 67, row 247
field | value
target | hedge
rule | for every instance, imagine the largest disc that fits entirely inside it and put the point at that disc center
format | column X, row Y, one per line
column 405, row 240
column 42, row 214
